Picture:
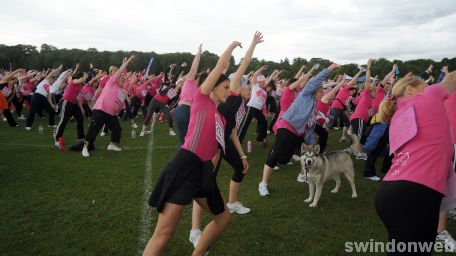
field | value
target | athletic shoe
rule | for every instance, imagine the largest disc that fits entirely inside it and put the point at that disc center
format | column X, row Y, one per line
column 52, row 126
column 301, row 178
column 62, row 144
column 269, row 131
column 276, row 168
column 102, row 134
column 263, row 189
column 134, row 126
column 343, row 139
column 114, row 147
column 85, row 152
column 195, row 235
column 4, row 119
column 445, row 238
column 336, row 128
column 373, row 178
column 28, row 128
column 452, row 214
column 172, row 133
column 361, row 156
column 22, row 117
column 56, row 144
column 141, row 134
column 290, row 163
column 238, row 208
column 296, row 158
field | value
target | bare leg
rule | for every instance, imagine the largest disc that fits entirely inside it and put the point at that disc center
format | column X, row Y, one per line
column 197, row 212
column 267, row 171
column 443, row 217
column 212, row 230
column 166, row 226
column 234, row 191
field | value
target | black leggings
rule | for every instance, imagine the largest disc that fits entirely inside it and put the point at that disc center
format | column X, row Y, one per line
column 262, row 124
column 322, row 137
column 155, row 107
column 87, row 110
column 38, row 103
column 98, row 119
column 135, row 106
column 231, row 156
column 409, row 211
column 68, row 110
column 284, row 146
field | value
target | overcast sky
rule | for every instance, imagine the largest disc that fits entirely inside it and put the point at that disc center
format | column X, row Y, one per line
column 343, row 31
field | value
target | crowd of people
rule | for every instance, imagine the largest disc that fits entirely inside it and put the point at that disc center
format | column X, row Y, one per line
column 408, row 121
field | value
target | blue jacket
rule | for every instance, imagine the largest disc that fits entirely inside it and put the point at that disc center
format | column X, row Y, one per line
column 374, row 136
column 302, row 107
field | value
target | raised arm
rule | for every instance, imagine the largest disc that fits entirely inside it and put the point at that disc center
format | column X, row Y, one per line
column 8, row 76
column 300, row 72
column 368, row 74
column 330, row 95
column 194, row 68
column 125, row 63
column 309, row 74
column 449, row 82
column 355, row 78
column 235, row 81
column 388, row 76
column 269, row 79
column 257, row 73
column 212, row 78
column 53, row 72
column 315, row 82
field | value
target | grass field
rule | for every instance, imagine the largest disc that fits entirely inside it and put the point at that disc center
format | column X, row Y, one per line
column 57, row 203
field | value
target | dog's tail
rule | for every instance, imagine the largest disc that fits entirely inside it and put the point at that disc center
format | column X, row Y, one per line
column 355, row 146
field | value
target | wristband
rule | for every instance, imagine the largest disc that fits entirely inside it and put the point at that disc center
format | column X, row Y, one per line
column 243, row 157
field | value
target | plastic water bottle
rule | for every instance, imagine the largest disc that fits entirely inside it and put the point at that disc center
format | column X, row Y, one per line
column 40, row 129
column 133, row 134
column 249, row 147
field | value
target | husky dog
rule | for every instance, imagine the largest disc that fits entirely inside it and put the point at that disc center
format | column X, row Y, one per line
column 320, row 168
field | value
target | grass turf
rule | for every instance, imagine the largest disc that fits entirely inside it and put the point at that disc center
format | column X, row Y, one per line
column 57, row 203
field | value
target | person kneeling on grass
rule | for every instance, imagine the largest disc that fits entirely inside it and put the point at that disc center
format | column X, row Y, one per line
column 108, row 105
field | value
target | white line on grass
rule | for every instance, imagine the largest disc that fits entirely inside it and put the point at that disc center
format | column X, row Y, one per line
column 146, row 223
column 50, row 146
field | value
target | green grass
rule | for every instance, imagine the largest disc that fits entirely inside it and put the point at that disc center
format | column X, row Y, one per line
column 57, row 203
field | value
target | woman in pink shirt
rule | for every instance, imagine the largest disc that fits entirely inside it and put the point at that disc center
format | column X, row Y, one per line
column 189, row 175
column 88, row 94
column 106, row 109
column 408, row 200
column 360, row 118
column 71, row 107
column 192, row 81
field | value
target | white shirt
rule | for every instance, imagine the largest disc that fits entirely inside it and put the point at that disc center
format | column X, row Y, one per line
column 43, row 88
column 258, row 97
column 55, row 86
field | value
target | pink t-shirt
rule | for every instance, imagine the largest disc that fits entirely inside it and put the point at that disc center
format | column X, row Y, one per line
column 112, row 98
column 426, row 158
column 87, row 93
column 27, row 89
column 72, row 92
column 378, row 99
column 364, row 106
column 188, row 90
column 322, row 112
column 103, row 81
column 282, row 123
column 451, row 110
column 201, row 137
column 288, row 96
column 342, row 96
column 141, row 91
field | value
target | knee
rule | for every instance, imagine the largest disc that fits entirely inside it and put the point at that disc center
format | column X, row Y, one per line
column 165, row 233
column 238, row 176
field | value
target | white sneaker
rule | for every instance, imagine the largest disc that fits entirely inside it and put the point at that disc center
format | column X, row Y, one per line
column 4, row 119
column 28, row 128
column 114, row 147
column 172, row 133
column 373, row 178
column 57, row 144
column 238, row 208
column 296, row 158
column 336, row 128
column 52, row 126
column 263, row 189
column 85, row 152
column 134, row 126
column 102, row 134
column 290, row 163
column 141, row 134
column 22, row 117
column 361, row 156
column 301, row 178
column 445, row 238
column 195, row 235
column 276, row 168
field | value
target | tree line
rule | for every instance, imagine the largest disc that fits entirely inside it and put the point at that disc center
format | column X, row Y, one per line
column 28, row 56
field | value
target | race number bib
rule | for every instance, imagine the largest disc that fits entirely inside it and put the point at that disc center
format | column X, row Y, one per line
column 144, row 93
column 220, row 131
column 88, row 96
column 240, row 114
column 371, row 112
column 403, row 130
column 6, row 91
column 121, row 96
column 171, row 93
column 79, row 96
column 312, row 120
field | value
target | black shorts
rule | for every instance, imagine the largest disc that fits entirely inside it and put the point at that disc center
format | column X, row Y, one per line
column 338, row 113
column 184, row 178
column 284, row 146
column 358, row 127
column 232, row 157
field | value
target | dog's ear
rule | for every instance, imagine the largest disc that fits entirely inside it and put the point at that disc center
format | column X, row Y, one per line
column 303, row 148
column 316, row 149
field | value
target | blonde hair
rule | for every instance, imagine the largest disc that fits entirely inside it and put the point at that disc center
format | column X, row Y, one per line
column 388, row 105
